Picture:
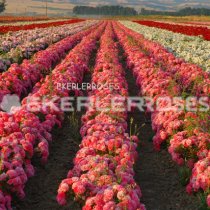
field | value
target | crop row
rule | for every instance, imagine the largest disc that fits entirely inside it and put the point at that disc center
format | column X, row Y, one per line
column 4, row 19
column 191, row 78
column 177, row 28
column 192, row 49
column 20, row 45
column 19, row 79
column 6, row 29
column 18, row 23
column 185, row 132
column 103, row 175
column 27, row 131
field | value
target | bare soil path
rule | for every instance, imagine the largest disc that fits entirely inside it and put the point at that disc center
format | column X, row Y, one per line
column 156, row 173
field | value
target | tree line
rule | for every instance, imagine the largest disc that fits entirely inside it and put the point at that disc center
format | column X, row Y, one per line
column 105, row 10
column 2, row 5
column 128, row 11
column 183, row 12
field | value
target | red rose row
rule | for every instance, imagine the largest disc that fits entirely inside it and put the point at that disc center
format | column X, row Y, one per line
column 5, row 29
column 188, row 30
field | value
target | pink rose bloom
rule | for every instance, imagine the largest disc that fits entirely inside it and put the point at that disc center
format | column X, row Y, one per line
column 109, row 206
column 61, row 198
column 78, row 188
column 108, row 195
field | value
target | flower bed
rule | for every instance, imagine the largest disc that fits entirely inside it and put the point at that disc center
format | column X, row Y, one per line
column 6, row 29
column 21, row 23
column 19, row 45
column 27, row 131
column 191, row 78
column 188, row 30
column 192, row 49
column 103, row 175
column 184, row 131
column 20, row 78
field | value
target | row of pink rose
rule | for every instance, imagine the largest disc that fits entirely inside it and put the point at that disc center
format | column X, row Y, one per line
column 103, row 175
column 34, row 41
column 19, row 79
column 192, row 79
column 186, row 146
column 15, row 39
column 28, row 132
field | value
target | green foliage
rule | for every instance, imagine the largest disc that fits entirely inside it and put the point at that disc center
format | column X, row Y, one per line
column 190, row 124
column 184, row 175
column 134, row 128
column 204, row 121
column 188, row 153
column 2, row 5
column 202, row 198
column 75, row 126
column 2, row 53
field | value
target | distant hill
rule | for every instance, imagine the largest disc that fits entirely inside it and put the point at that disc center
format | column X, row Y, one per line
column 169, row 5
column 56, row 7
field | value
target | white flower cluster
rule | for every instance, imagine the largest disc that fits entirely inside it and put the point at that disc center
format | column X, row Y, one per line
column 193, row 49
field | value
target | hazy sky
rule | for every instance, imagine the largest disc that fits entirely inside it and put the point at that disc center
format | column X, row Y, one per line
column 22, row 6
column 58, row 6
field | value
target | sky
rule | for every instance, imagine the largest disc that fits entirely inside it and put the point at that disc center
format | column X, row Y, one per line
column 64, row 6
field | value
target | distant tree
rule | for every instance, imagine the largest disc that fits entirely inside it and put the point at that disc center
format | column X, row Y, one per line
column 104, row 10
column 2, row 5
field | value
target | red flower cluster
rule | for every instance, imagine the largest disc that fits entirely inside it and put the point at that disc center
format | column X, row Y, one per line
column 103, row 175
column 4, row 29
column 28, row 131
column 8, row 19
column 188, row 30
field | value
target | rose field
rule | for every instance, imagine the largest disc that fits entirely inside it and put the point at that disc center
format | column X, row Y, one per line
column 104, row 115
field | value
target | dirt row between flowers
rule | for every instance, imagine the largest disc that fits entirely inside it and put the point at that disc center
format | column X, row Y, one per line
column 41, row 190
column 156, row 174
